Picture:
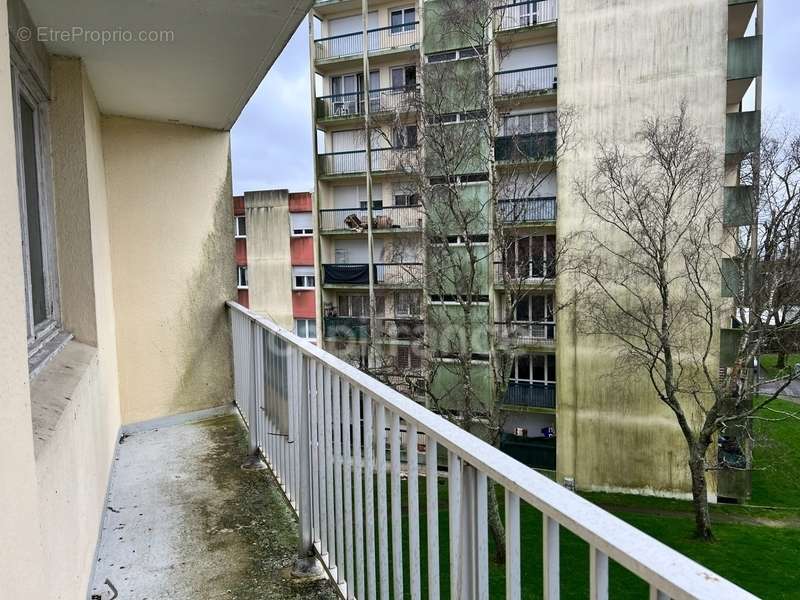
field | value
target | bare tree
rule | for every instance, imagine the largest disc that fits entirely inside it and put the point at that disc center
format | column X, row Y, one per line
column 653, row 265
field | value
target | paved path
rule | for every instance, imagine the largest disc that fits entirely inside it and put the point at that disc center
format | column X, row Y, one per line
column 792, row 391
column 183, row 521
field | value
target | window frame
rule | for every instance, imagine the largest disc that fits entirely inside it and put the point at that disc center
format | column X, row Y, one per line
column 240, row 270
column 306, row 322
column 405, row 25
column 43, row 338
column 237, row 231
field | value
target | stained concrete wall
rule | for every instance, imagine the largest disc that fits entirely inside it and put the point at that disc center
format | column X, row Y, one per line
column 171, row 224
column 20, row 554
column 268, row 255
column 618, row 63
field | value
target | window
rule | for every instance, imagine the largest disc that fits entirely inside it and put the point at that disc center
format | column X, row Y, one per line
column 240, row 226
column 303, row 278
column 404, row 137
column 354, row 306
column 528, row 123
column 458, row 117
column 305, row 328
column 403, row 19
column 408, row 357
column 460, row 179
column 461, row 240
column 376, row 204
column 36, row 214
column 241, row 276
column 404, row 77
column 406, row 304
column 532, row 257
column 301, row 224
column 462, row 54
column 534, row 368
column 405, row 199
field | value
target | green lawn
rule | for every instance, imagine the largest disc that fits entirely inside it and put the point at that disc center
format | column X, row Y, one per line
column 776, row 457
column 769, row 363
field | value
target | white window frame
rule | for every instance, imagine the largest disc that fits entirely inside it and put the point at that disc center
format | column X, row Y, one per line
column 237, row 229
column 460, row 54
column 548, row 380
column 46, row 337
column 301, row 231
column 303, row 331
column 405, row 25
column 241, row 277
column 303, row 278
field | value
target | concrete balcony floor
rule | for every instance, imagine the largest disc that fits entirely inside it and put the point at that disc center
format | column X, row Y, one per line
column 184, row 521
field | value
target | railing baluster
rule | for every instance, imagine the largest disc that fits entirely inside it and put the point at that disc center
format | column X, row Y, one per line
column 369, row 495
column 397, row 514
column 347, row 467
column 383, row 525
column 325, row 512
column 512, row 547
column 414, row 578
column 291, row 402
column 358, row 497
column 255, row 384
column 311, row 366
column 550, row 558
column 656, row 594
column 454, row 468
column 482, row 535
column 337, row 476
column 432, row 514
column 329, row 468
column 599, row 574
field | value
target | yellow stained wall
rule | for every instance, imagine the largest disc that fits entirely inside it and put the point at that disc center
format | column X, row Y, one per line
column 20, row 552
column 171, row 223
column 619, row 62
column 269, row 266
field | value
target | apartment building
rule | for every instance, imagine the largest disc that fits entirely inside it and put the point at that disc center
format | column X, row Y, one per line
column 240, row 253
column 549, row 59
column 280, row 274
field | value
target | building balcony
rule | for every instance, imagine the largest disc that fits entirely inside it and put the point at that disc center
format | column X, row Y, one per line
column 744, row 64
column 536, row 453
column 522, row 15
column 738, row 206
column 348, row 328
column 324, row 429
column 528, row 272
column 410, row 328
column 387, row 219
column 384, row 274
column 531, row 395
column 523, row 211
column 393, row 100
column 524, row 82
column 526, row 148
column 354, row 162
column 742, row 132
column 396, row 38
column 527, row 333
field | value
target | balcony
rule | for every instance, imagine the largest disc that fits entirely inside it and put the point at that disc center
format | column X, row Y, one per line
column 525, row 272
column 537, row 453
column 742, row 132
column 527, row 333
column 381, row 101
column 744, row 64
column 384, row 274
column 523, row 82
column 347, row 328
column 380, row 40
column 325, row 428
column 354, row 162
column 520, row 211
column 409, row 328
column 384, row 220
column 531, row 395
column 520, row 15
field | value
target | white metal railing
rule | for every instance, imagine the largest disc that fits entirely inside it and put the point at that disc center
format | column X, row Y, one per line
column 324, row 427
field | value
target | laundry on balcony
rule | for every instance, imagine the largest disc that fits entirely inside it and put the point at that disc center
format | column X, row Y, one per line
column 354, row 222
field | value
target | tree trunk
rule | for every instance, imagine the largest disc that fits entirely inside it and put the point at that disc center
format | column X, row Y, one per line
column 781, row 365
column 702, row 519
column 496, row 525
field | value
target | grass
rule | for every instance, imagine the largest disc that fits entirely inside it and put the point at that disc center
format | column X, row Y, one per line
column 769, row 364
column 776, row 456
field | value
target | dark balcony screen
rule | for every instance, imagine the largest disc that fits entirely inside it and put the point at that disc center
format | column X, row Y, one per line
column 347, row 274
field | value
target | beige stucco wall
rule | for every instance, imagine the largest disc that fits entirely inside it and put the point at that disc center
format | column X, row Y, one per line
column 172, row 249
column 20, row 552
column 268, row 258
column 619, row 62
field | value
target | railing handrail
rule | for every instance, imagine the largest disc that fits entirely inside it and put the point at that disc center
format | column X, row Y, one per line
column 358, row 151
column 377, row 264
column 519, row 4
column 518, row 322
column 354, row 33
column 667, row 570
column 541, row 67
column 526, row 199
column 401, row 88
column 358, row 208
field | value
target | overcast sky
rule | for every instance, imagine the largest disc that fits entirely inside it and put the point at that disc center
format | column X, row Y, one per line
column 271, row 141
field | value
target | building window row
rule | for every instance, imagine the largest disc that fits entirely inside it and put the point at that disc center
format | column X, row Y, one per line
column 451, row 55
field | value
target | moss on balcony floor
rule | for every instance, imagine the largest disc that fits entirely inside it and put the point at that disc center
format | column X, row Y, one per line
column 184, row 521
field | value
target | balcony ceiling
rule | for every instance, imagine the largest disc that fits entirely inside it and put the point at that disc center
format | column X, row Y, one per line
column 220, row 52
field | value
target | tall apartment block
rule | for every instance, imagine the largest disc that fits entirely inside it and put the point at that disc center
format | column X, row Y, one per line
column 607, row 66
column 279, row 271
